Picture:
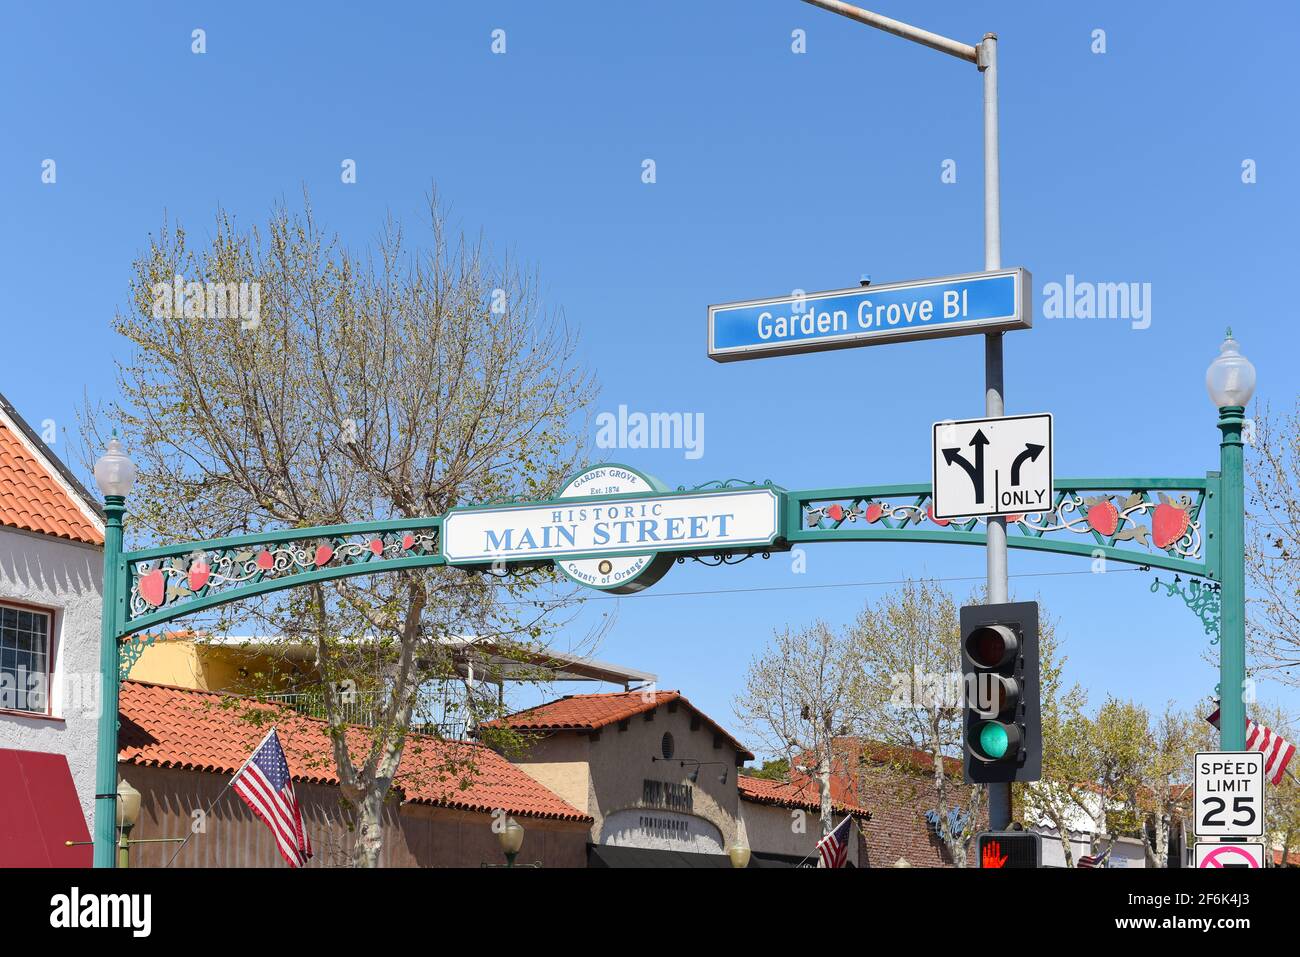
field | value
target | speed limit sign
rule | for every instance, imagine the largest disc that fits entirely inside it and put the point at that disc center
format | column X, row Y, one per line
column 1229, row 794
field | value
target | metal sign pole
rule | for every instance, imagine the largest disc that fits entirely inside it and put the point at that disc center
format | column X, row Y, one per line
column 985, row 57
column 994, row 392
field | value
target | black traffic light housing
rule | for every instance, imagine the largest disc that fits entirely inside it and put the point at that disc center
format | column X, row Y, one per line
column 1002, row 726
column 1008, row 849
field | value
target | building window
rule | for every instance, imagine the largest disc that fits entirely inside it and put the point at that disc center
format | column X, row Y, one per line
column 667, row 746
column 24, row 659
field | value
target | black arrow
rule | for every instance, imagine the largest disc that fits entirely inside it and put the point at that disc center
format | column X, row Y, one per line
column 974, row 472
column 1031, row 452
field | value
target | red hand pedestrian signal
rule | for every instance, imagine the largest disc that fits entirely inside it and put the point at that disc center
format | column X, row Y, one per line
column 993, row 856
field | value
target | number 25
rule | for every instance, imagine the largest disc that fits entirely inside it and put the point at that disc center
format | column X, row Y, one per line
column 1240, row 806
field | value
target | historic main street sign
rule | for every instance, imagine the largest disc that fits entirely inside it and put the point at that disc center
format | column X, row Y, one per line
column 999, row 466
column 865, row 315
column 608, row 528
column 1228, row 797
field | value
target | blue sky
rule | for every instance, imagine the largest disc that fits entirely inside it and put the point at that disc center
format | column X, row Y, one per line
column 775, row 171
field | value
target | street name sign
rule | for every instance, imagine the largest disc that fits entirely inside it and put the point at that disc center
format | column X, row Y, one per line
column 1249, row 854
column 1000, row 466
column 608, row 528
column 994, row 301
column 1228, row 795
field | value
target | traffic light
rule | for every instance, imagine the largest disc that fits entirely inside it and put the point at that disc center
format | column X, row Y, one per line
column 1007, row 849
column 1002, row 729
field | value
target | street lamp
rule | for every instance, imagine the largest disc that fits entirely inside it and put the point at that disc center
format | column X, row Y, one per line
column 739, row 853
column 114, row 470
column 114, row 474
column 512, row 839
column 128, row 812
column 1230, row 381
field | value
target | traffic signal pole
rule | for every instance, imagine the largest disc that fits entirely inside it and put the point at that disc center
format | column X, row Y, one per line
column 994, row 394
column 985, row 58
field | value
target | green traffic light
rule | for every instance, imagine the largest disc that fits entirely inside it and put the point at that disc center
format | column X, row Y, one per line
column 993, row 740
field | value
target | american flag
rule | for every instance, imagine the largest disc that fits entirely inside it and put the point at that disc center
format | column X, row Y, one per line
column 1094, row 860
column 263, row 783
column 834, row 847
column 1277, row 751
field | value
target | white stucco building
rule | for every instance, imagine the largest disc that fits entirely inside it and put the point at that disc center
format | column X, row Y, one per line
column 51, row 558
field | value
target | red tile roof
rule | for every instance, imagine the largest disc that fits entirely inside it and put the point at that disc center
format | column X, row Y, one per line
column 591, row 712
column 167, row 727
column 35, row 495
column 784, row 794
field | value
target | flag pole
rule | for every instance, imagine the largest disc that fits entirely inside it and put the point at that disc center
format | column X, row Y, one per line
column 222, row 793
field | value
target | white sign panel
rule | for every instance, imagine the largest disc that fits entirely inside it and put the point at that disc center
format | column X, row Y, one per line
column 1237, row 854
column 997, row 466
column 636, row 525
column 1228, row 800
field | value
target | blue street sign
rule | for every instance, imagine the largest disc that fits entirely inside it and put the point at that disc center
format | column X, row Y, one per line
column 865, row 315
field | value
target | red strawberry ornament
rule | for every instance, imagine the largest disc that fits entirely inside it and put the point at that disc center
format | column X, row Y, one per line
column 836, row 512
column 377, row 546
column 323, row 555
column 200, row 572
column 265, row 560
column 151, row 585
column 941, row 522
column 1169, row 521
column 874, row 511
column 1102, row 515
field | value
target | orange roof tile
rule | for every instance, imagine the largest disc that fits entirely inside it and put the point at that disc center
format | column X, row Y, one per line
column 35, row 495
column 169, row 727
column 591, row 712
column 784, row 794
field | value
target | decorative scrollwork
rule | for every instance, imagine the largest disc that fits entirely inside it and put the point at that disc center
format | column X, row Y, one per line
column 725, row 484
column 1171, row 523
column 163, row 582
column 129, row 651
column 721, row 558
column 1203, row 598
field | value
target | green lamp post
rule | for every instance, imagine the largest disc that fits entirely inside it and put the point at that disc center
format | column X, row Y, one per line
column 1230, row 380
column 114, row 474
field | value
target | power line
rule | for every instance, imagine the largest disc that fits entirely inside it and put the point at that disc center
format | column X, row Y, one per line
column 781, row 588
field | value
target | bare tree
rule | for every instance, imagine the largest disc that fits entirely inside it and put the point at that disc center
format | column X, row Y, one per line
column 909, row 644
column 347, row 387
column 1273, row 543
column 800, row 694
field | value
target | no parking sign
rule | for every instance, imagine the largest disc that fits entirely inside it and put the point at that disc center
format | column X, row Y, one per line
column 1241, row 855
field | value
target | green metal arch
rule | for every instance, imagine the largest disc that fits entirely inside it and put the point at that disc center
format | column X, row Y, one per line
column 1203, row 491
column 209, row 597
column 899, row 514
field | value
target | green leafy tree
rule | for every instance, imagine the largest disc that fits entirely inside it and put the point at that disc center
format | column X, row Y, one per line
column 1065, row 791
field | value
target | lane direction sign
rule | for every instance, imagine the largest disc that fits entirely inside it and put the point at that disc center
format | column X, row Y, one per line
column 999, row 466
column 1228, row 794
column 994, row 301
